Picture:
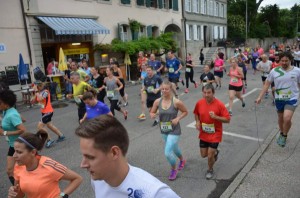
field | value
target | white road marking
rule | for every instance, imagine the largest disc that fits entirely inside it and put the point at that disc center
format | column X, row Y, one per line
column 192, row 125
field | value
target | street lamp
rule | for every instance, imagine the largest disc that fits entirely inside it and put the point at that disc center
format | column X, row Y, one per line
column 246, row 19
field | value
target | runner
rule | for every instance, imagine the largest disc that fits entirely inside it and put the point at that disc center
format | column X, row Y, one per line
column 254, row 58
column 241, row 63
column 118, row 73
column 97, row 82
column 143, row 93
column 189, row 73
column 168, row 107
column 12, row 127
column 79, row 87
column 42, row 97
column 93, row 107
column 173, row 66
column 286, row 79
column 207, row 76
column 275, row 64
column 113, row 87
column 210, row 113
column 264, row 66
column 152, row 88
column 157, row 66
column 218, row 71
column 141, row 60
column 38, row 176
column 235, row 85
column 104, row 144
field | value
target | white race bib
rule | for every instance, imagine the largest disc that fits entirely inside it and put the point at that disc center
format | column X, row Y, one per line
column 171, row 70
column 166, row 126
column 217, row 68
column 234, row 80
column 150, row 89
column 110, row 94
column 188, row 69
column 284, row 94
column 208, row 128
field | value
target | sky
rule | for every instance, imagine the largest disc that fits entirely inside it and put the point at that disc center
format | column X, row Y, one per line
column 281, row 3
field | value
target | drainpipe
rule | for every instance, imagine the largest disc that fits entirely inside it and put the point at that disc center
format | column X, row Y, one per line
column 26, row 32
column 184, row 29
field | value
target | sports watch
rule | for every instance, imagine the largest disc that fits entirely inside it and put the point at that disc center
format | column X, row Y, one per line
column 64, row 195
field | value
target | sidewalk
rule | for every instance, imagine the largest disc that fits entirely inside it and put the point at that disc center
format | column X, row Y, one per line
column 272, row 171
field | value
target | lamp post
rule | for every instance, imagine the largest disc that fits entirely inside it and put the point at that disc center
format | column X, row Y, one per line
column 246, row 19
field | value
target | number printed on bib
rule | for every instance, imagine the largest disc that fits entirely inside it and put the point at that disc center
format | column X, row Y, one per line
column 171, row 70
column 188, row 70
column 208, row 128
column 284, row 94
column 234, row 80
column 110, row 94
column 166, row 126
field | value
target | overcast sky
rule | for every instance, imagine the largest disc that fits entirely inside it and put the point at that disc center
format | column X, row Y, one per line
column 280, row 3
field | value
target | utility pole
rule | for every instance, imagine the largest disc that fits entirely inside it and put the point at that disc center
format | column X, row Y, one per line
column 246, row 19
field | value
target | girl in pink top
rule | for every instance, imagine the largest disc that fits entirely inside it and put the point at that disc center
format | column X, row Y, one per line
column 236, row 84
column 218, row 70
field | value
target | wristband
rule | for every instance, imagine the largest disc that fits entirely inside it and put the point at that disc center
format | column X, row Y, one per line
column 64, row 195
column 4, row 133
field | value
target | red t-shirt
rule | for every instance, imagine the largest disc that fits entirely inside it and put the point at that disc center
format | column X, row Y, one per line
column 274, row 65
column 202, row 110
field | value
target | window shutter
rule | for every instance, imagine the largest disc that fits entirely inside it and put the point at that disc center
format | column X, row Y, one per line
column 215, row 8
column 187, row 6
column 119, row 31
column 221, row 32
column 160, row 4
column 211, row 8
column 202, row 7
column 148, row 3
column 216, row 32
column 225, row 32
column 225, row 11
column 149, row 31
column 140, row 2
column 202, row 32
column 194, row 6
column 195, row 32
column 175, row 5
column 187, row 32
column 125, row 1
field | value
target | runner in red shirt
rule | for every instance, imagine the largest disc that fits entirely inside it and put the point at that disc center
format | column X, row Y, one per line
column 210, row 113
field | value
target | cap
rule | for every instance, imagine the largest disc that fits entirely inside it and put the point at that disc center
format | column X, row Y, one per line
column 38, row 82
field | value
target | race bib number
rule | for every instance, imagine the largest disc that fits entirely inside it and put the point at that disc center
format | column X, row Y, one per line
column 217, row 68
column 110, row 94
column 171, row 70
column 265, row 74
column 41, row 105
column 234, row 80
column 284, row 94
column 208, row 128
column 77, row 100
column 188, row 70
column 166, row 126
column 150, row 89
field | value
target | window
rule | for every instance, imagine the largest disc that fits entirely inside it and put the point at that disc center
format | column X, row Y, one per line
column 125, row 1
column 123, row 32
column 188, row 5
column 217, row 9
column 140, row 2
column 198, row 32
column 222, row 11
column 221, row 32
column 202, row 32
column 165, row 4
column 196, row 6
column 142, row 32
column 211, row 8
column 204, row 6
column 170, row 4
column 190, row 32
column 216, row 32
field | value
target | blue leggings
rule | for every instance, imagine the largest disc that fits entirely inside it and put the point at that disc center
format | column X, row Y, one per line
column 171, row 148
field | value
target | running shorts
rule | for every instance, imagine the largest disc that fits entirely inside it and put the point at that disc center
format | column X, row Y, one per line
column 231, row 87
column 46, row 117
column 285, row 105
column 204, row 144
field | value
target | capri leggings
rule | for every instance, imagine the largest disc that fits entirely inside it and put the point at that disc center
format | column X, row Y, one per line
column 114, row 106
column 171, row 148
column 189, row 77
column 122, row 91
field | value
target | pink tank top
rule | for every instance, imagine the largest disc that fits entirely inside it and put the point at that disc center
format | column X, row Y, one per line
column 234, row 81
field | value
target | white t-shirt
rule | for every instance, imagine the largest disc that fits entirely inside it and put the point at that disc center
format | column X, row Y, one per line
column 286, row 83
column 137, row 184
column 265, row 67
column 296, row 55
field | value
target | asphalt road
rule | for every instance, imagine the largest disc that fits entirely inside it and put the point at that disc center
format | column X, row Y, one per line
column 240, row 141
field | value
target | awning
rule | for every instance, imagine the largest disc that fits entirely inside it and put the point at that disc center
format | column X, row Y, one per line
column 67, row 25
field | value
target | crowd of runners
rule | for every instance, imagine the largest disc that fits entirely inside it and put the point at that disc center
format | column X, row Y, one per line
column 103, row 139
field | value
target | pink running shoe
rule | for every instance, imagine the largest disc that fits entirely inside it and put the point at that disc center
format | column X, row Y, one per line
column 196, row 85
column 173, row 175
column 186, row 90
column 181, row 164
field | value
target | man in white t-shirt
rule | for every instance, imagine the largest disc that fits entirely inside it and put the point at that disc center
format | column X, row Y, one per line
column 287, row 82
column 296, row 55
column 104, row 143
column 264, row 66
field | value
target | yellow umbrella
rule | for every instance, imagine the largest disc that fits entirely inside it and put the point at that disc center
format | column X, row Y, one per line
column 62, row 63
column 127, row 62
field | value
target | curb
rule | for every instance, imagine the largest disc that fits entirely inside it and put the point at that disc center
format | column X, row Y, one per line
column 247, row 168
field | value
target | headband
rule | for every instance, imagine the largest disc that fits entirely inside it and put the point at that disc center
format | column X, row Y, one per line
column 27, row 143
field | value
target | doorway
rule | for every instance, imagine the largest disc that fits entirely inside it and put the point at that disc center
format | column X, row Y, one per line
column 205, row 35
column 48, row 53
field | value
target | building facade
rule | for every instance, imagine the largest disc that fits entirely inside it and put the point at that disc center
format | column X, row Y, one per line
column 34, row 28
column 205, row 23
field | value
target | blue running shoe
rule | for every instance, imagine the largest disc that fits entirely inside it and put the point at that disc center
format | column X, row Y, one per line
column 281, row 140
column 49, row 143
column 61, row 138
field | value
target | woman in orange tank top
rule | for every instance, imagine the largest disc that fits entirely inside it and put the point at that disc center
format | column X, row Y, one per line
column 236, row 84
